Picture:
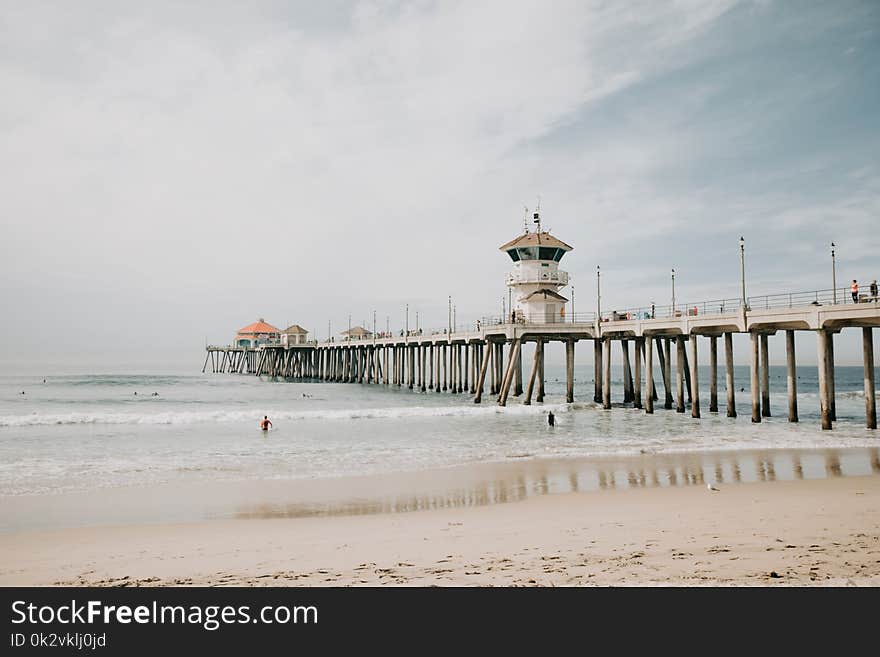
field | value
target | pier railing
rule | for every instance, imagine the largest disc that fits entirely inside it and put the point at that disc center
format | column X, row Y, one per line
column 727, row 306
column 716, row 307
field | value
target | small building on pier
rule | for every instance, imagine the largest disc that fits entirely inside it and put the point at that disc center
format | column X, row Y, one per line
column 536, row 278
column 294, row 334
column 256, row 334
column 356, row 333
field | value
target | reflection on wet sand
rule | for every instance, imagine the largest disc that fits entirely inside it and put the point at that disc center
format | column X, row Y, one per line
column 509, row 483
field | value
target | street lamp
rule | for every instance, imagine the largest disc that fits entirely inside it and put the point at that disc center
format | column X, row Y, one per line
column 449, row 321
column 503, row 312
column 833, row 274
column 572, row 304
column 742, row 269
column 374, row 324
column 407, row 319
column 599, row 293
column 417, row 321
column 673, row 292
column 348, row 337
column 510, row 301
column 453, row 317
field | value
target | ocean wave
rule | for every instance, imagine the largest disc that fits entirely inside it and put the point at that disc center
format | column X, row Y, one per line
column 206, row 417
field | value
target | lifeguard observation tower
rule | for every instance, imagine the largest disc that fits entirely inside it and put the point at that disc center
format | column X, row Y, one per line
column 536, row 278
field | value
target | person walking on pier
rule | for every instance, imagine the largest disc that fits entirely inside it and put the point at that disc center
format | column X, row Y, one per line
column 265, row 423
column 854, row 288
column 873, row 292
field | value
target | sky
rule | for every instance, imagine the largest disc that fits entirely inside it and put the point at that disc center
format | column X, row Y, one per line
column 174, row 171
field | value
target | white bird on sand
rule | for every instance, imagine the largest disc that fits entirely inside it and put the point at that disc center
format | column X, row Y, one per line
column 711, row 487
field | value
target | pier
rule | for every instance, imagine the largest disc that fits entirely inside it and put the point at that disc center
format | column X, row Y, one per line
column 487, row 359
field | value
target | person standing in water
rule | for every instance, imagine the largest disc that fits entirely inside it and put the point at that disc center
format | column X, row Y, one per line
column 551, row 419
column 265, row 423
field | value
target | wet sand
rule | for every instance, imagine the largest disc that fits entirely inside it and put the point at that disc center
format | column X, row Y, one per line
column 759, row 530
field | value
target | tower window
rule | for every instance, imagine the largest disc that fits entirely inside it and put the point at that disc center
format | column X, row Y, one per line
column 513, row 255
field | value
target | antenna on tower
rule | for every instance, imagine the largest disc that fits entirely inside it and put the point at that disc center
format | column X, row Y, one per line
column 537, row 215
column 526, row 219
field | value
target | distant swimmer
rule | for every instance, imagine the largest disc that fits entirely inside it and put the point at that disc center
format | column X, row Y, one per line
column 22, row 392
column 135, row 393
column 551, row 419
column 266, row 423
column 155, row 394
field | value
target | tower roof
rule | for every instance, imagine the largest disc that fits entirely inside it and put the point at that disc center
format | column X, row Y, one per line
column 260, row 326
column 546, row 294
column 295, row 329
column 536, row 239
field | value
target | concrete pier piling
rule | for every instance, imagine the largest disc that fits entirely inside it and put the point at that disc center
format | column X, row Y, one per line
column 695, row 383
column 728, row 375
column 533, row 375
column 637, row 375
column 540, row 396
column 822, row 340
column 870, row 390
column 832, row 403
column 713, row 374
column 606, row 377
column 647, row 345
column 756, row 397
column 518, row 378
column 569, row 371
column 687, row 372
column 424, row 372
column 791, row 376
column 508, row 374
column 765, row 376
column 597, row 371
column 666, row 363
column 679, row 373
column 627, row 373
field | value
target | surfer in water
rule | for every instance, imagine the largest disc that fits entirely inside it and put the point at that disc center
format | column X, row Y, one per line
column 265, row 423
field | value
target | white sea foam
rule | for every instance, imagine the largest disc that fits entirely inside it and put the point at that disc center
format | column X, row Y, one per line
column 222, row 416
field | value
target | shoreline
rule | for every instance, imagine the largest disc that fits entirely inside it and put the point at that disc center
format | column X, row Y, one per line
column 798, row 532
column 474, row 484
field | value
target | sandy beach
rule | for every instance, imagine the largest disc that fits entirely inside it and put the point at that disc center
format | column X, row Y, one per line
column 797, row 532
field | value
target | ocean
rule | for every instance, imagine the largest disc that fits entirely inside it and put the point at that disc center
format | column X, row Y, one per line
column 92, row 432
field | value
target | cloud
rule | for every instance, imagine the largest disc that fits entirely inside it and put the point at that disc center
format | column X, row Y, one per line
column 209, row 163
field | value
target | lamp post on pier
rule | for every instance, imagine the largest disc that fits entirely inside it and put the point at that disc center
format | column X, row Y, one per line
column 572, row 304
column 599, row 294
column 673, row 292
column 407, row 320
column 449, row 322
column 742, row 270
column 833, row 274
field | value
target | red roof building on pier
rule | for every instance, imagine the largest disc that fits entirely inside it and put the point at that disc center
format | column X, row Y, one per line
column 256, row 334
